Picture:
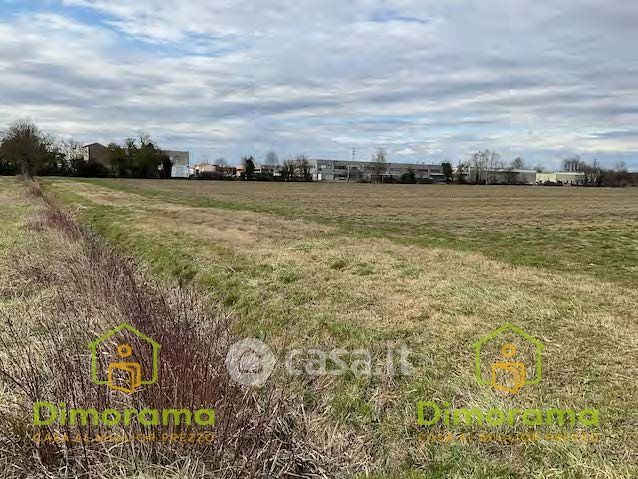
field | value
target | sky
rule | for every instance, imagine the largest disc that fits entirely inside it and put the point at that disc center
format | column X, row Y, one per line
column 429, row 81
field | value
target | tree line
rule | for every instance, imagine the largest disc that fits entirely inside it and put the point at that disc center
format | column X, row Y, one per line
column 293, row 169
column 27, row 150
column 300, row 169
column 595, row 175
column 482, row 167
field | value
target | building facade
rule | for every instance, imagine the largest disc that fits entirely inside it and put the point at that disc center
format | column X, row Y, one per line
column 498, row 176
column 365, row 171
column 212, row 171
column 96, row 152
column 564, row 177
column 180, row 161
column 509, row 176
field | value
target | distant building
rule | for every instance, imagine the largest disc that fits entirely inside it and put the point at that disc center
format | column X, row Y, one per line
column 212, row 171
column 97, row 153
column 272, row 170
column 510, row 176
column 498, row 176
column 564, row 177
column 338, row 170
column 205, row 168
column 180, row 160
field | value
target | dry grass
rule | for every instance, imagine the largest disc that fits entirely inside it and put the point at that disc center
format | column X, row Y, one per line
column 461, row 206
column 64, row 288
column 574, row 229
column 314, row 273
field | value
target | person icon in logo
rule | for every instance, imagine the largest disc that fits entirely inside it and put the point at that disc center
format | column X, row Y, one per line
column 508, row 376
column 125, row 376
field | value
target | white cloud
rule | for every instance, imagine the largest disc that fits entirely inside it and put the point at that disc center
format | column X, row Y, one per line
column 429, row 80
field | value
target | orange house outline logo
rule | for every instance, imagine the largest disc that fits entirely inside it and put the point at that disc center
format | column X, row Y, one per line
column 131, row 370
column 508, row 366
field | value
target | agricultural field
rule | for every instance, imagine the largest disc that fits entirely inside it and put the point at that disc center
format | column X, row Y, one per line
column 429, row 268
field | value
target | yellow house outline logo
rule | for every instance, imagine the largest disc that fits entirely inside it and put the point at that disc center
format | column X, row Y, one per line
column 133, row 369
column 509, row 363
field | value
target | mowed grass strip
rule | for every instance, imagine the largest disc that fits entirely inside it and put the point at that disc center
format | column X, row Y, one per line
column 307, row 284
column 584, row 230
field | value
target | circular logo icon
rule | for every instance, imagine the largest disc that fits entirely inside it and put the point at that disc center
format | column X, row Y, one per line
column 250, row 362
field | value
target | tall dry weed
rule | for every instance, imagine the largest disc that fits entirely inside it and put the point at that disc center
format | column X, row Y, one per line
column 85, row 288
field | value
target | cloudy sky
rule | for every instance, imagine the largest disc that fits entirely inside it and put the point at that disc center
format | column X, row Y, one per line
column 430, row 81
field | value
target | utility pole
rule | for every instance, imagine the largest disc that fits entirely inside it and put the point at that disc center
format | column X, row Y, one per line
column 354, row 155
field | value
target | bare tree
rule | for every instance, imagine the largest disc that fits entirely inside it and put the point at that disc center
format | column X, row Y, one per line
column 72, row 154
column 573, row 163
column 146, row 141
column 289, row 170
column 477, row 164
column 619, row 176
column 593, row 172
column 304, row 167
column 461, row 169
column 379, row 164
column 484, row 162
column 71, row 149
column 272, row 159
column 221, row 162
column 518, row 163
column 511, row 176
column 494, row 161
column 621, row 167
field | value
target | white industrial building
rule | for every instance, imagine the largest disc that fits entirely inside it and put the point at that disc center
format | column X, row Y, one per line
column 510, row 176
column 339, row 170
column 180, row 161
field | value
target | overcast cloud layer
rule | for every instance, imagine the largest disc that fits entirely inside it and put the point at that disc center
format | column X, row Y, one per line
column 431, row 81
